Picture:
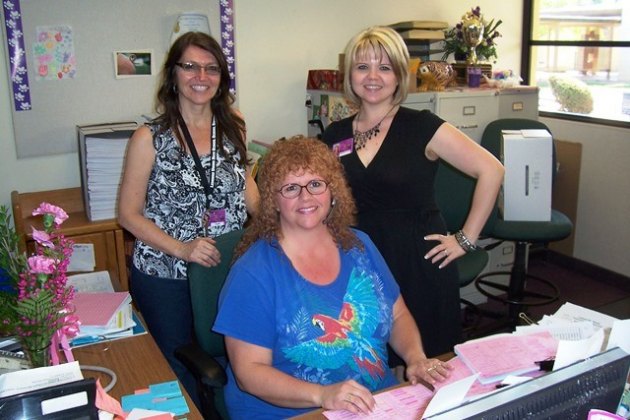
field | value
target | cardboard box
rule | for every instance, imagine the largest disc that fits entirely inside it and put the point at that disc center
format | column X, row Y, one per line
column 527, row 157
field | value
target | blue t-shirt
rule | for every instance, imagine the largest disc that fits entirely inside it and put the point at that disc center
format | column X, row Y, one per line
column 320, row 334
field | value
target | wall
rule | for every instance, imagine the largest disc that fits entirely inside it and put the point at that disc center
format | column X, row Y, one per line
column 277, row 41
column 603, row 211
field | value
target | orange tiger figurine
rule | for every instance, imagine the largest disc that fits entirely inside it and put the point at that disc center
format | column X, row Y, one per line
column 436, row 75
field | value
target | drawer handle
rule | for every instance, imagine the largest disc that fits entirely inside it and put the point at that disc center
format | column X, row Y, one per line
column 466, row 127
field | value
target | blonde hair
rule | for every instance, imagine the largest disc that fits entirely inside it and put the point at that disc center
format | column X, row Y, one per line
column 295, row 155
column 378, row 39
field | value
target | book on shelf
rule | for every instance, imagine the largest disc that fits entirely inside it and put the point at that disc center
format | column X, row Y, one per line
column 422, row 34
column 419, row 24
column 101, row 153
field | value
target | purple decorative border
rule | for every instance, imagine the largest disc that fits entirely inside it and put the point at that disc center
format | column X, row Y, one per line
column 17, row 55
column 227, row 39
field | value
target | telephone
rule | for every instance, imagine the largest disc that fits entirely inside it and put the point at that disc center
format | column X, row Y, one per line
column 10, row 362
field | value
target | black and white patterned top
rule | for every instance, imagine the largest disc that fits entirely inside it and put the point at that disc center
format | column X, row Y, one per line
column 175, row 200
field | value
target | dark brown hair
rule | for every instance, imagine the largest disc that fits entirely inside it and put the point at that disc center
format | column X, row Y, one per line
column 228, row 122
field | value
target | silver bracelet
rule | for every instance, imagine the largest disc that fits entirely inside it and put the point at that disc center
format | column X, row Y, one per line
column 464, row 242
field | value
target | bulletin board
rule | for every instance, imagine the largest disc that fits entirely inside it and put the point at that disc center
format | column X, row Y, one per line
column 47, row 109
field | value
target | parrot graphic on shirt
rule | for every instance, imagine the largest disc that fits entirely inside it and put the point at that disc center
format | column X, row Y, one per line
column 347, row 338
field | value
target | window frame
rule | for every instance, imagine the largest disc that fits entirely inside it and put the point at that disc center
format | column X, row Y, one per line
column 527, row 43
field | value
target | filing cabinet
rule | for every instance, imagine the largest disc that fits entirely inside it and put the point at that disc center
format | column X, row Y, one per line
column 468, row 109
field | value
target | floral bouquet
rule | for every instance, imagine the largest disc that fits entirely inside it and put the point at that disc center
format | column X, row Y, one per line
column 455, row 42
column 36, row 307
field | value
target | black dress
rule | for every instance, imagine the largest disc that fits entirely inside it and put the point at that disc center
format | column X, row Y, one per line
column 397, row 208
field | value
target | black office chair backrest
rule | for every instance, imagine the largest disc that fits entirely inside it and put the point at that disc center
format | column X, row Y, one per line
column 205, row 286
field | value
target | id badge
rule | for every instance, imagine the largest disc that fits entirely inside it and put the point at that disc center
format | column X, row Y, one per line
column 344, row 147
column 214, row 219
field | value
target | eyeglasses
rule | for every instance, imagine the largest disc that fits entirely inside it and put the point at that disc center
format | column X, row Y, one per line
column 314, row 187
column 210, row 69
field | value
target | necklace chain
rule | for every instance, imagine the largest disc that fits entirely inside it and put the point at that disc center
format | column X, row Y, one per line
column 361, row 137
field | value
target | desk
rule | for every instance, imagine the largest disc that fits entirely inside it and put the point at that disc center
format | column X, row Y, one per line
column 137, row 362
column 319, row 413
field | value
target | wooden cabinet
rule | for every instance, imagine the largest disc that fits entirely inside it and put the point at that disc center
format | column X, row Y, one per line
column 108, row 238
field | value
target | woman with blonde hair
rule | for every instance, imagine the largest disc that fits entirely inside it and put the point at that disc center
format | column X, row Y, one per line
column 390, row 154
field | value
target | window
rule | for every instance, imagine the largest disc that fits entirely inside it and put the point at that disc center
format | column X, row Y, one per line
column 578, row 53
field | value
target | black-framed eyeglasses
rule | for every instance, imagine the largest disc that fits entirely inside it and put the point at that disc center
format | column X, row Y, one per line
column 314, row 187
column 194, row 68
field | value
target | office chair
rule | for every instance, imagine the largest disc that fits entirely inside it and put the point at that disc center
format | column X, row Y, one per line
column 205, row 357
column 453, row 193
column 524, row 233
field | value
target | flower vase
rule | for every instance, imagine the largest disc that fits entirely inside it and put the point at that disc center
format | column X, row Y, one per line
column 38, row 356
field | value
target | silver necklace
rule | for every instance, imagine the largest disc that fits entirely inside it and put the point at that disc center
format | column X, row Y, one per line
column 362, row 137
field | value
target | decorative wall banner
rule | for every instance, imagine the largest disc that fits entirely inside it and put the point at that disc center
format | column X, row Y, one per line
column 227, row 38
column 17, row 55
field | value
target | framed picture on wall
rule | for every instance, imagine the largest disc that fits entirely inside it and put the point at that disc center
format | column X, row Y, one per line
column 133, row 63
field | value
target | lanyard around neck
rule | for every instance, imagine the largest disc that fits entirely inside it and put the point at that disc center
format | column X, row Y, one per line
column 195, row 156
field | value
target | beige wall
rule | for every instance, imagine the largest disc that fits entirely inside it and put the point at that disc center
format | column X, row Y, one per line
column 277, row 41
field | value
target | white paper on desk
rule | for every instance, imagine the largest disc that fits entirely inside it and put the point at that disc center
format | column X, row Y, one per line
column 31, row 379
column 560, row 330
column 95, row 282
column 449, row 396
column 572, row 351
column 143, row 413
column 575, row 313
column 82, row 258
column 620, row 336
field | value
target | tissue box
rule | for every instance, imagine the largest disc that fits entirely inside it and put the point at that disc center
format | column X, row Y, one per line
column 527, row 157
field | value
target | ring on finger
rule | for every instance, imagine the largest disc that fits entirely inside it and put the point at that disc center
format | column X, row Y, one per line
column 446, row 252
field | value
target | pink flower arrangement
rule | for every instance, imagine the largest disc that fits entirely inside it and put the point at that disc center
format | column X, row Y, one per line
column 38, row 309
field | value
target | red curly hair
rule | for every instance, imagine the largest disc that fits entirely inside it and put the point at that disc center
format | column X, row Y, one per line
column 295, row 155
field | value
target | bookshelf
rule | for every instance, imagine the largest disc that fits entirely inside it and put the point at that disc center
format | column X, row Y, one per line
column 111, row 243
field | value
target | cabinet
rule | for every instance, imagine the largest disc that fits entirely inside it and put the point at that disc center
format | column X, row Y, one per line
column 468, row 109
column 107, row 236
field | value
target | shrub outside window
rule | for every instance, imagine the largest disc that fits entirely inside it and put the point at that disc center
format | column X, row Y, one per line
column 578, row 53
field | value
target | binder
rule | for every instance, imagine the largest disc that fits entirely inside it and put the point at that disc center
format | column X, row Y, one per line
column 101, row 155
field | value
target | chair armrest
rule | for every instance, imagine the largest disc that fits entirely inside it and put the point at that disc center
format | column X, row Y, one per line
column 203, row 366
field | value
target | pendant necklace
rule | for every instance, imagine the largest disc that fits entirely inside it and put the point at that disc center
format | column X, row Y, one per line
column 362, row 137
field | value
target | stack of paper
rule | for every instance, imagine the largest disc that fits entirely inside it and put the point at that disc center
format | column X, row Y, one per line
column 104, row 314
column 500, row 355
column 102, row 151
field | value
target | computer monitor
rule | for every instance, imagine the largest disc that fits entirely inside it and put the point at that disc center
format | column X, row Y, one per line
column 568, row 393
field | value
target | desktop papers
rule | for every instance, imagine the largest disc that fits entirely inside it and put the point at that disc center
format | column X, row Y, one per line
column 103, row 316
column 498, row 356
column 32, row 379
